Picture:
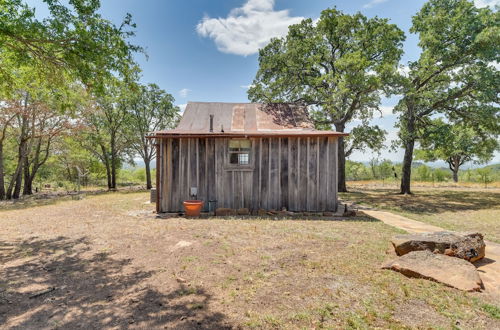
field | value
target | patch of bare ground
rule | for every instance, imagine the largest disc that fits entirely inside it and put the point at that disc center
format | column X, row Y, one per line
column 107, row 262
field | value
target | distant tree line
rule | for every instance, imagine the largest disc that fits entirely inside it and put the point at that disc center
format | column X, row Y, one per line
column 389, row 172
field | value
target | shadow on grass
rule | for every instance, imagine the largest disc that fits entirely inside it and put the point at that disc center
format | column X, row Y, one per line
column 42, row 199
column 59, row 283
column 422, row 202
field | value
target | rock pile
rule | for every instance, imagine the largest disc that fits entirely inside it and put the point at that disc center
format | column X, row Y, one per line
column 443, row 257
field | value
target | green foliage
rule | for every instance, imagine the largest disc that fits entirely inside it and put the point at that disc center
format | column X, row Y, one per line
column 149, row 109
column 423, row 173
column 454, row 75
column 357, row 171
column 456, row 144
column 339, row 66
column 364, row 137
column 485, row 176
column 386, row 169
column 73, row 39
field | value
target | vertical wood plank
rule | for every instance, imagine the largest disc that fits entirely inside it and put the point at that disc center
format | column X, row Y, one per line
column 332, row 198
column 318, row 183
column 166, row 171
column 211, row 173
column 175, row 178
column 224, row 185
column 188, row 167
column 247, row 179
column 265, row 174
column 312, row 175
column 274, row 176
column 303, row 173
column 323, row 168
column 284, row 173
column 256, row 146
column 292, row 173
column 336, row 169
column 201, row 177
column 184, row 186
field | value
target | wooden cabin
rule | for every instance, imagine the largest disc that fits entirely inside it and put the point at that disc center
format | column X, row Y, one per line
column 247, row 155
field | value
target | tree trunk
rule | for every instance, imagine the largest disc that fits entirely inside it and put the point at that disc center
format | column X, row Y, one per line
column 341, row 186
column 19, row 181
column 113, row 175
column 2, row 175
column 148, row 173
column 455, row 175
column 108, row 175
column 407, row 161
column 14, row 189
column 113, row 162
column 28, row 181
column 105, row 160
column 409, row 142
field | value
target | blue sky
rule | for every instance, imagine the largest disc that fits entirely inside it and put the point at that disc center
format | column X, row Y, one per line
column 205, row 50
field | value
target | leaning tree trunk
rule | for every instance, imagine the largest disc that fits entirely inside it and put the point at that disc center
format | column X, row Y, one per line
column 17, row 188
column 14, row 189
column 341, row 185
column 455, row 175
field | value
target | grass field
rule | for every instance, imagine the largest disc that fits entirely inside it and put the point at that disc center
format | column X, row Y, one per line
column 107, row 262
column 454, row 209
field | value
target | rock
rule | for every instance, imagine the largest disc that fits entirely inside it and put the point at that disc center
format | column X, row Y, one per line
column 453, row 272
column 181, row 244
column 348, row 213
column 262, row 213
column 221, row 211
column 243, row 211
column 468, row 246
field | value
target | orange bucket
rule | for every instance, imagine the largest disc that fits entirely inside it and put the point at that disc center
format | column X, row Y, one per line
column 193, row 208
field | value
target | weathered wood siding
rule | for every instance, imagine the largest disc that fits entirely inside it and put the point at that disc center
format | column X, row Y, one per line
column 298, row 173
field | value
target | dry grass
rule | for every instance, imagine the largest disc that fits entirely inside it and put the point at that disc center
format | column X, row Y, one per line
column 114, row 265
column 394, row 184
column 458, row 210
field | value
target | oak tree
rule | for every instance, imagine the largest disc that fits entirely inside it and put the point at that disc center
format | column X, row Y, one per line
column 339, row 66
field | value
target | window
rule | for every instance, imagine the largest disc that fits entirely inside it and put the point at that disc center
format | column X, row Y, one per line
column 239, row 151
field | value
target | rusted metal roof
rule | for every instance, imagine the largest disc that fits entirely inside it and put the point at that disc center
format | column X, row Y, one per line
column 244, row 119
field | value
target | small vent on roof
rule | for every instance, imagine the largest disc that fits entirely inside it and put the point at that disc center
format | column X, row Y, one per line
column 211, row 123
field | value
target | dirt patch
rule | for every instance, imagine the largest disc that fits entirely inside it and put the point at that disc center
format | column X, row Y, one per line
column 112, row 266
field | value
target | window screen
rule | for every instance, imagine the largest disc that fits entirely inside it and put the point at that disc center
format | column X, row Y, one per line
column 239, row 151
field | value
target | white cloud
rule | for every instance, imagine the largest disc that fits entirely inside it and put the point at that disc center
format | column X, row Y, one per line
column 184, row 92
column 248, row 28
column 487, row 3
column 404, row 70
column 386, row 110
column 182, row 107
column 373, row 3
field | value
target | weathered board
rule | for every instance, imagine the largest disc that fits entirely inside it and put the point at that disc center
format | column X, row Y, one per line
column 295, row 173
